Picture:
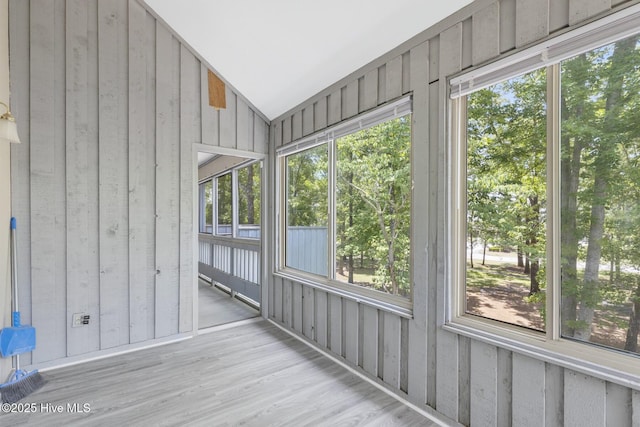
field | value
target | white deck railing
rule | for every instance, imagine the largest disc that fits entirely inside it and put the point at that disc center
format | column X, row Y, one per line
column 233, row 262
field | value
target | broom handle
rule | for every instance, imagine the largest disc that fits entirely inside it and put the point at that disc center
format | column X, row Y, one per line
column 14, row 270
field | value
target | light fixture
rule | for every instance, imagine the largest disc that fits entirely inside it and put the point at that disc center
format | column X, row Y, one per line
column 8, row 127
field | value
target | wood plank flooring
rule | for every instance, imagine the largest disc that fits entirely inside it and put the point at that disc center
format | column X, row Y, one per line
column 252, row 375
column 216, row 307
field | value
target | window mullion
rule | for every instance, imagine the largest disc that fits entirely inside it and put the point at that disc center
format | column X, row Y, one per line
column 553, row 296
column 331, row 214
column 234, row 203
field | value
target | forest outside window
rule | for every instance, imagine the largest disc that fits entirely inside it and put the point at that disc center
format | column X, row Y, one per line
column 346, row 205
column 548, row 175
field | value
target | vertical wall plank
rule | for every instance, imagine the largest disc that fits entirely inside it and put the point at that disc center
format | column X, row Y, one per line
column 464, row 380
column 334, row 103
column 82, row 175
column 507, row 25
column 308, row 313
column 484, row 359
column 142, row 167
column 584, row 400
column 391, row 369
column 48, row 285
column 20, row 170
column 307, row 120
column 486, row 38
column 532, row 21
column 244, row 140
column 261, row 135
column 467, row 43
column 370, row 95
column 434, row 59
column 394, row 78
column 210, row 116
column 635, row 405
column 286, row 130
column 321, row 318
column 558, row 14
column 350, row 100
column 370, row 340
column 619, row 407
column 190, row 128
column 167, row 174
column 228, row 136
column 335, row 324
column 406, row 72
column 554, row 396
column 296, row 125
column 382, row 84
column 417, row 357
column 113, row 172
column 320, row 113
column 297, row 307
column 584, row 9
column 451, row 50
column 528, row 391
column 350, row 327
column 287, row 314
column 504, row 387
column 277, row 299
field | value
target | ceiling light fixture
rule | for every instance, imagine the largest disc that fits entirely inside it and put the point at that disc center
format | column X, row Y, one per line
column 8, row 127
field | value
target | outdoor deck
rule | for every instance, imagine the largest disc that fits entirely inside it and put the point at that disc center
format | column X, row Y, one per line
column 252, row 374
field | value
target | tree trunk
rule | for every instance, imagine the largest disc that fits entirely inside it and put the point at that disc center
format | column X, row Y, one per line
column 606, row 151
column 534, row 224
column 631, row 343
column 570, row 166
column 484, row 252
column 520, row 257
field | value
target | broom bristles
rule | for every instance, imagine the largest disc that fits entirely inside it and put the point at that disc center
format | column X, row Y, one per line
column 21, row 385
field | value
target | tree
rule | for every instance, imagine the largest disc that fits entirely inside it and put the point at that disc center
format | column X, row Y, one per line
column 373, row 200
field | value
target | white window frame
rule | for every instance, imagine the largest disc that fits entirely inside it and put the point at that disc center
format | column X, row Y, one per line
column 402, row 306
column 608, row 364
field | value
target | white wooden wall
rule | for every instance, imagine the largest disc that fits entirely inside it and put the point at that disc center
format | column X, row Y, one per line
column 466, row 380
column 108, row 103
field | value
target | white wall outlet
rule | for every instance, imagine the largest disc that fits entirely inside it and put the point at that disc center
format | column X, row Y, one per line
column 80, row 319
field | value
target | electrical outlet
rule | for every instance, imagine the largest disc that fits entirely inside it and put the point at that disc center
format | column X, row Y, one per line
column 80, row 319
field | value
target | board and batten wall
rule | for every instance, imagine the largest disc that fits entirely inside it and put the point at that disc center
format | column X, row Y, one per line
column 109, row 103
column 467, row 380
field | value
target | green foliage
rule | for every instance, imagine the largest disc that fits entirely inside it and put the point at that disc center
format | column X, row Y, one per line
column 373, row 201
column 307, row 187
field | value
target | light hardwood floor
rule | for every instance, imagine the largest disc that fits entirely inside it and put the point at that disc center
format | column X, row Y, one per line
column 253, row 375
column 216, row 307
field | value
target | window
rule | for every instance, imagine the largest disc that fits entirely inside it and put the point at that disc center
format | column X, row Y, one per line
column 546, row 167
column 224, row 205
column 506, row 200
column 346, row 204
column 206, row 207
column 249, row 201
column 234, row 200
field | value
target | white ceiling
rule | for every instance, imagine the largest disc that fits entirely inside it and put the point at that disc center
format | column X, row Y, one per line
column 278, row 53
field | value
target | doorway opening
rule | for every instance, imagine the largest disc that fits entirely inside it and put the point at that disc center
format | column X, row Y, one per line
column 229, row 225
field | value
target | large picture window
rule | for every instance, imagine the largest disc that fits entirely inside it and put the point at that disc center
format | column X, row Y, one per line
column 346, row 204
column 547, row 178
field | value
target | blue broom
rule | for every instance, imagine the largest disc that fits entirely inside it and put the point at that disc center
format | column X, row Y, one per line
column 17, row 339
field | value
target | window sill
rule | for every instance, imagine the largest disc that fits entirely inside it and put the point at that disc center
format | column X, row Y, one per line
column 402, row 307
column 606, row 364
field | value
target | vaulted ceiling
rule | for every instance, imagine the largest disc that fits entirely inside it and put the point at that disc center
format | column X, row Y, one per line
column 278, row 53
